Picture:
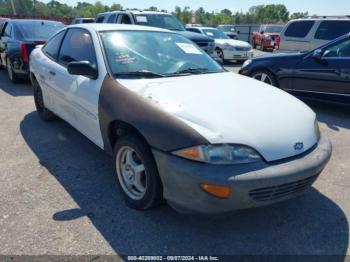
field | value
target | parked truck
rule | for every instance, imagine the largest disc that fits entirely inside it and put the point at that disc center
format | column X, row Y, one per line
column 266, row 37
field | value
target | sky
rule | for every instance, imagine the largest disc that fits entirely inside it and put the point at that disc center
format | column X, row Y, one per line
column 319, row 7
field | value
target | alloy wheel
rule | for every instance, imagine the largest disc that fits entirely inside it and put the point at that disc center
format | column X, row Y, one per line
column 263, row 77
column 131, row 173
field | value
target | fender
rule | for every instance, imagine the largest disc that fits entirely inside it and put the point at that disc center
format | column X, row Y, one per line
column 161, row 130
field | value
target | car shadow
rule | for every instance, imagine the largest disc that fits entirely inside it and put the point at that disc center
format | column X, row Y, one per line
column 22, row 88
column 310, row 224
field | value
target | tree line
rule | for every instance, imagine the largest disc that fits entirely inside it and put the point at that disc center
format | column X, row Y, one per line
column 255, row 15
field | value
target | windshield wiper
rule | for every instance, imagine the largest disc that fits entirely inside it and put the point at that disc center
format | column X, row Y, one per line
column 192, row 70
column 139, row 73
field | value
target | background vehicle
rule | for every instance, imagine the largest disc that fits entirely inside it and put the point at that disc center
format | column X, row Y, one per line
column 229, row 30
column 156, row 19
column 17, row 40
column 306, row 34
column 83, row 20
column 321, row 74
column 266, row 37
column 225, row 47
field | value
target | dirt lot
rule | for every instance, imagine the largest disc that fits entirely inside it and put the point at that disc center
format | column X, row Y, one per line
column 58, row 196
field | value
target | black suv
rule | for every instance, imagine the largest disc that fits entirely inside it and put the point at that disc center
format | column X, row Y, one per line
column 156, row 19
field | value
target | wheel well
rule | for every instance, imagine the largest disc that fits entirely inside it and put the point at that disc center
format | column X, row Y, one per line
column 266, row 70
column 118, row 129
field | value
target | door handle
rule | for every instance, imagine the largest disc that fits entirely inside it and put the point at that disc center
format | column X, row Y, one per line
column 52, row 73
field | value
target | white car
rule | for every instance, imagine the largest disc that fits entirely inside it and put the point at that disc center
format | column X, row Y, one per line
column 178, row 126
column 225, row 47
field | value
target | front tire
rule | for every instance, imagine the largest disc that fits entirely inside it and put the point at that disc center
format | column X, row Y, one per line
column 265, row 76
column 137, row 173
column 220, row 54
column 44, row 113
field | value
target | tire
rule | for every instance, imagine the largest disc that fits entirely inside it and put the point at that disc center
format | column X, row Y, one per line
column 220, row 54
column 137, row 173
column 44, row 113
column 265, row 76
column 11, row 74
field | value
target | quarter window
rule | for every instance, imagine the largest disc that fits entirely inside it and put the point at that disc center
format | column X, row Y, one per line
column 111, row 19
column 299, row 28
column 77, row 46
column 125, row 19
column 53, row 45
column 329, row 30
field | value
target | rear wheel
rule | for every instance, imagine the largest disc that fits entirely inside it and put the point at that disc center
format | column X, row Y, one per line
column 44, row 113
column 137, row 173
column 265, row 76
column 11, row 74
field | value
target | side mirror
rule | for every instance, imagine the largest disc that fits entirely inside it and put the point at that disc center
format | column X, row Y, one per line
column 238, row 32
column 318, row 56
column 82, row 68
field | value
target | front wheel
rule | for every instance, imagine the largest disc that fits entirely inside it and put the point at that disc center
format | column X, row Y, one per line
column 219, row 53
column 137, row 173
column 265, row 76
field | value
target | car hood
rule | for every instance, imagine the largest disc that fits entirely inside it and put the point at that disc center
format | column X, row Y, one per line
column 195, row 37
column 232, row 42
column 278, row 56
column 230, row 108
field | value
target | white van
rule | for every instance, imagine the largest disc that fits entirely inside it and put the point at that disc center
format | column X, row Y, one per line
column 306, row 34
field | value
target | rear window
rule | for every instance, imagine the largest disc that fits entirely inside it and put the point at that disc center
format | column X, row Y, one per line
column 329, row 30
column 38, row 30
column 299, row 28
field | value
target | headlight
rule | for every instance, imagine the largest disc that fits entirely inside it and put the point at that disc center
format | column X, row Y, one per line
column 246, row 63
column 223, row 154
column 317, row 130
column 229, row 47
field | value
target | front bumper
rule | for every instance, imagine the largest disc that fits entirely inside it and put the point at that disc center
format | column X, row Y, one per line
column 238, row 55
column 252, row 185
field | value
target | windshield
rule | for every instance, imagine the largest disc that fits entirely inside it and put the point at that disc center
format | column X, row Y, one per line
column 227, row 28
column 215, row 33
column 133, row 54
column 159, row 20
column 274, row 29
column 41, row 30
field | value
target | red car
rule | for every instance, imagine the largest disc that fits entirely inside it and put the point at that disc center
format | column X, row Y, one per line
column 267, row 36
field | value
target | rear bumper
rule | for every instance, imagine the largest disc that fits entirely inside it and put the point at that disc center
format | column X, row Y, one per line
column 252, row 185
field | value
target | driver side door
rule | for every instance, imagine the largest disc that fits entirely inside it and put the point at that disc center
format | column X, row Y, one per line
column 325, row 78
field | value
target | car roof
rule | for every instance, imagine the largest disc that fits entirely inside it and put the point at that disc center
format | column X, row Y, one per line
column 110, row 27
column 34, row 20
column 202, row 27
column 136, row 12
column 323, row 18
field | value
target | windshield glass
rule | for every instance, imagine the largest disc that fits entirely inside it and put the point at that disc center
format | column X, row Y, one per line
column 227, row 28
column 274, row 29
column 215, row 33
column 40, row 30
column 159, row 20
column 154, row 54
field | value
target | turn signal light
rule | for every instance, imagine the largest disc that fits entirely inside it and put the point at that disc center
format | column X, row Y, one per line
column 216, row 190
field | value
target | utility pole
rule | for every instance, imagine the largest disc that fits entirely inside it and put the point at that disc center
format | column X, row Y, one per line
column 13, row 7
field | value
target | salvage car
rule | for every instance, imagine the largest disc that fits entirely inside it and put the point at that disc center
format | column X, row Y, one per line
column 225, row 47
column 178, row 126
column 18, row 37
column 322, row 74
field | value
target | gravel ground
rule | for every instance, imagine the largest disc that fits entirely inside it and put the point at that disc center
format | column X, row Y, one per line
column 58, row 196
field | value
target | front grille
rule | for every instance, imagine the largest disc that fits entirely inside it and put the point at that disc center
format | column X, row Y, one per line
column 275, row 192
column 243, row 48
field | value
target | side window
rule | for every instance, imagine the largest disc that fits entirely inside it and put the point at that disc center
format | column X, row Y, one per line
column 125, row 19
column 111, row 19
column 100, row 19
column 299, row 28
column 53, row 45
column 329, row 30
column 77, row 46
column 341, row 49
column 194, row 30
column 8, row 30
